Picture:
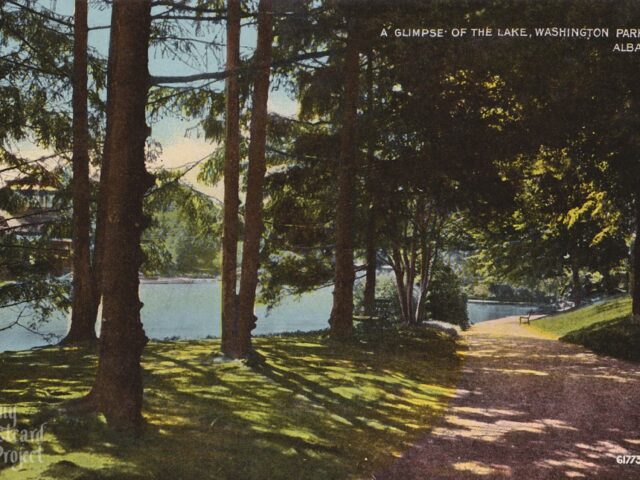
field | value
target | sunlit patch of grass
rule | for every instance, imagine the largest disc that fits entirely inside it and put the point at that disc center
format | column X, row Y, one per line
column 309, row 408
column 563, row 323
column 606, row 327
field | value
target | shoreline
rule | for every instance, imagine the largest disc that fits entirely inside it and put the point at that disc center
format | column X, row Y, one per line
column 501, row 302
column 175, row 280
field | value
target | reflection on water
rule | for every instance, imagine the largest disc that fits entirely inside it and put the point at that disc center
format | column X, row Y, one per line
column 192, row 311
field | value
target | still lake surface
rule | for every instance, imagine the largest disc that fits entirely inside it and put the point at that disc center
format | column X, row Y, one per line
column 192, row 311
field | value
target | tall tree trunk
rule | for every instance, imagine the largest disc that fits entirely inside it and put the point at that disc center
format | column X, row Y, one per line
column 255, row 179
column 411, row 280
column 83, row 318
column 230, row 337
column 429, row 257
column 101, row 214
column 424, row 280
column 400, row 292
column 371, row 252
column 399, row 269
column 369, row 300
column 341, row 320
column 117, row 391
column 635, row 269
column 577, row 287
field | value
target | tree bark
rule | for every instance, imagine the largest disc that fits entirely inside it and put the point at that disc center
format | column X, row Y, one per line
column 369, row 300
column 411, row 280
column 255, row 179
column 424, row 282
column 635, row 287
column 83, row 317
column 399, row 268
column 577, row 287
column 230, row 337
column 118, row 389
column 428, row 256
column 371, row 251
column 341, row 321
column 101, row 214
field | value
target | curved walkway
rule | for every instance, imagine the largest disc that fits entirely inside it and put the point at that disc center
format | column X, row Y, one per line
column 530, row 407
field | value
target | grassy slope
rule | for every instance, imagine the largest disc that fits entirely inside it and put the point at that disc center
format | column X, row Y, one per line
column 312, row 410
column 605, row 327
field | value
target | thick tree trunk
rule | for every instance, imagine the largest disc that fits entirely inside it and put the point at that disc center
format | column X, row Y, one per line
column 255, row 180
column 635, row 287
column 230, row 333
column 117, row 391
column 341, row 320
column 371, row 251
column 83, row 318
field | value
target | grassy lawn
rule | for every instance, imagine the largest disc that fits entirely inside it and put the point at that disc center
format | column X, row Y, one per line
column 312, row 409
column 605, row 327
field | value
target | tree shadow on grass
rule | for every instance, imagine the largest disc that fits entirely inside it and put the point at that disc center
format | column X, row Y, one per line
column 311, row 410
column 618, row 338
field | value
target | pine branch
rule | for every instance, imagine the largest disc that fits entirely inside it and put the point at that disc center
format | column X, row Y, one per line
column 162, row 80
column 41, row 14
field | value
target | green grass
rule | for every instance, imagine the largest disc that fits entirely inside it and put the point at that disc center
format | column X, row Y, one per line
column 606, row 327
column 311, row 410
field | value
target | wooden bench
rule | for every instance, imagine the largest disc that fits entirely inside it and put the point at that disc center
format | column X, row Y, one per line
column 526, row 319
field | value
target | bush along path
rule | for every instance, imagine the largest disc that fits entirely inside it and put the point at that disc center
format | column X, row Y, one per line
column 529, row 406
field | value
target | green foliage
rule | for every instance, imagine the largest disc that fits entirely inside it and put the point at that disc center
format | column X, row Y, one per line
column 559, row 221
column 446, row 301
column 387, row 304
column 184, row 236
column 35, row 98
column 297, row 254
column 563, row 323
column 619, row 338
column 606, row 327
column 211, row 170
column 508, row 293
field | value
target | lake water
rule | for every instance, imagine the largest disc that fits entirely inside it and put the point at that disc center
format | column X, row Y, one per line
column 192, row 311
column 483, row 311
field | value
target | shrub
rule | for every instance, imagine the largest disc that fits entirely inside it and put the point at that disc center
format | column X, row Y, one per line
column 446, row 301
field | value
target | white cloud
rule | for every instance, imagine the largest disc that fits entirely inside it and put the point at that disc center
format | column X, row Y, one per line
column 282, row 105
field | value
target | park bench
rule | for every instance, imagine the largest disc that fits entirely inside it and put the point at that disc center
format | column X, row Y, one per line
column 526, row 319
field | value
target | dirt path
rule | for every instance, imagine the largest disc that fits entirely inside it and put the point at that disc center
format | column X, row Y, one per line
column 530, row 407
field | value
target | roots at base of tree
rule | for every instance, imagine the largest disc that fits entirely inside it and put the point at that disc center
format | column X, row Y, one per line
column 81, row 406
column 251, row 358
column 90, row 404
column 340, row 331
